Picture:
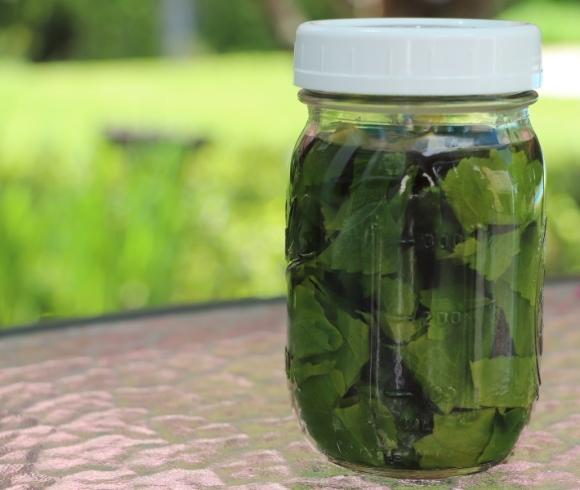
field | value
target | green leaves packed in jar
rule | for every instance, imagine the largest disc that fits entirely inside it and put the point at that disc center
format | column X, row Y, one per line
column 414, row 299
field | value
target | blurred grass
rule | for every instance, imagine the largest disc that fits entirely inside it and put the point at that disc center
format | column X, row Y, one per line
column 558, row 19
column 87, row 227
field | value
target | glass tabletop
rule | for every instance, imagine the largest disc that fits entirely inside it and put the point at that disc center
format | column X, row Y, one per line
column 197, row 398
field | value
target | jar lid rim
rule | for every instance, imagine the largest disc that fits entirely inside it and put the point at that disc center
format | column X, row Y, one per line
column 414, row 23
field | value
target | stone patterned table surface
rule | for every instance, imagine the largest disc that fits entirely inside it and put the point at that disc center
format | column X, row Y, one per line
column 197, row 399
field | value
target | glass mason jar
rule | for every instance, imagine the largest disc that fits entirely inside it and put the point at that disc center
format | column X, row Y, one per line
column 414, row 244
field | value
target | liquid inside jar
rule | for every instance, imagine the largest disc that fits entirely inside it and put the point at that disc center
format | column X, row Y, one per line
column 414, row 279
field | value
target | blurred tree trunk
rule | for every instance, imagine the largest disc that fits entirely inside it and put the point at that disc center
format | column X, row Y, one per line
column 366, row 8
column 444, row 8
column 284, row 16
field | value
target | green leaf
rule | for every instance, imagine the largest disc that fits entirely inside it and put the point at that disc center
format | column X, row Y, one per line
column 462, row 322
column 526, row 272
column 316, row 397
column 304, row 233
column 528, row 178
column 375, row 173
column 522, row 317
column 370, row 221
column 324, row 340
column 518, row 292
column 459, row 312
column 435, row 226
column 334, row 219
column 325, row 164
column 369, row 431
column 354, row 351
column 321, row 393
column 506, row 381
column 457, row 441
column 360, row 443
column 368, row 242
column 394, row 295
column 490, row 254
column 506, row 430
column 454, row 294
column 318, row 190
column 499, row 190
column 310, row 332
column 413, row 420
column 401, row 330
column 442, row 369
column 472, row 331
column 395, row 305
column 301, row 371
column 385, row 423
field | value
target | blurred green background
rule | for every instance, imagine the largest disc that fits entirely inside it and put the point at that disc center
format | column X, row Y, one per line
column 144, row 146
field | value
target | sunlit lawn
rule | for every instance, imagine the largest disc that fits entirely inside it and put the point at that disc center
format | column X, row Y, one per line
column 558, row 19
column 88, row 227
column 143, row 226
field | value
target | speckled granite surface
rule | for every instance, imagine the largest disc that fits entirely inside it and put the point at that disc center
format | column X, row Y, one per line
column 196, row 400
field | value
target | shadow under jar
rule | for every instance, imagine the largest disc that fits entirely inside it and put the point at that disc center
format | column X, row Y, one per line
column 414, row 244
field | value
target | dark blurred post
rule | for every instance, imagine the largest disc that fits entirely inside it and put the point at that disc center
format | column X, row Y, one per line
column 177, row 27
column 366, row 8
column 444, row 8
column 284, row 17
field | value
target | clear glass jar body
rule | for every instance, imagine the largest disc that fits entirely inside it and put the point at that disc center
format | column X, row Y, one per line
column 414, row 244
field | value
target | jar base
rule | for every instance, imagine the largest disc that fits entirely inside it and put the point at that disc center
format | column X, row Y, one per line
column 410, row 474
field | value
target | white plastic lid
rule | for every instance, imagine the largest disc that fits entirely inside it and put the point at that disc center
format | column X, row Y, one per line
column 418, row 57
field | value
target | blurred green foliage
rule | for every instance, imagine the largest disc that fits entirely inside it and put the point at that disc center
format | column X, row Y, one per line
column 225, row 25
column 88, row 226
column 84, row 29
column 558, row 19
column 79, row 29
column 241, row 25
column 44, row 30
